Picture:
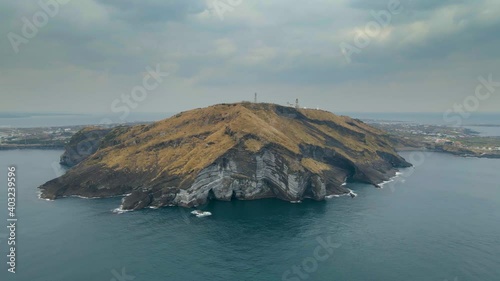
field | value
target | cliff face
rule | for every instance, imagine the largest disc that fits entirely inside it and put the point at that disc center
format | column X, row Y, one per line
column 231, row 151
column 82, row 145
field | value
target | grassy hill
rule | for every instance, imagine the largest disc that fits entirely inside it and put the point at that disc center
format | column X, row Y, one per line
column 168, row 157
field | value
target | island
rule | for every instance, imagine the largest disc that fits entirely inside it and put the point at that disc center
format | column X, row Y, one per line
column 241, row 151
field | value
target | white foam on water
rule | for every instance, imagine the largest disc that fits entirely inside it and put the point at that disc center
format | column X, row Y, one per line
column 40, row 197
column 352, row 193
column 81, row 197
column 120, row 210
column 201, row 214
column 105, row 197
column 381, row 185
column 398, row 174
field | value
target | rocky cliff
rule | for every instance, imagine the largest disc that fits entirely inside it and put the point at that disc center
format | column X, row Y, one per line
column 83, row 144
column 239, row 151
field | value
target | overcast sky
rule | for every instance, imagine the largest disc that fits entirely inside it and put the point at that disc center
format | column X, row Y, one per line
column 91, row 52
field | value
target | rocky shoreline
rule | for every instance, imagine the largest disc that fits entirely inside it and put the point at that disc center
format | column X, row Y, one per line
column 450, row 150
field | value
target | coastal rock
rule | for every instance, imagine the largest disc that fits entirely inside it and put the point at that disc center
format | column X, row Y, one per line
column 83, row 144
column 230, row 152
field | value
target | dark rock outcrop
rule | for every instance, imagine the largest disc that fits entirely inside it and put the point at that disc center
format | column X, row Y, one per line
column 82, row 145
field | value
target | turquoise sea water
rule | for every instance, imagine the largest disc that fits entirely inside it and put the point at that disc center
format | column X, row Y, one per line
column 438, row 221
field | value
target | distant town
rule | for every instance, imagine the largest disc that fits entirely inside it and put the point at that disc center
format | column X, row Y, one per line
column 49, row 137
column 55, row 137
column 442, row 137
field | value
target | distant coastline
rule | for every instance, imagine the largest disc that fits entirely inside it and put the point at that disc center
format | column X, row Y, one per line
column 28, row 146
column 455, row 153
column 480, row 134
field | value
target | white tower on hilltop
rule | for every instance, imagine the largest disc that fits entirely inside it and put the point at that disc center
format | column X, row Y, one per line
column 255, row 99
column 297, row 104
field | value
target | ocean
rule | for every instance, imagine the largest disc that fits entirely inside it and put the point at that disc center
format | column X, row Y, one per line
column 436, row 221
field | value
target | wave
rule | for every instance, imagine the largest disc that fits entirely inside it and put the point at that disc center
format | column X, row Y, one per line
column 352, row 193
column 106, row 197
column 398, row 174
column 82, row 197
column 201, row 214
column 39, row 193
column 119, row 210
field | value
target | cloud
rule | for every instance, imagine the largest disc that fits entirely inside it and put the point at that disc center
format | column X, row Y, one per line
column 259, row 44
column 150, row 11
